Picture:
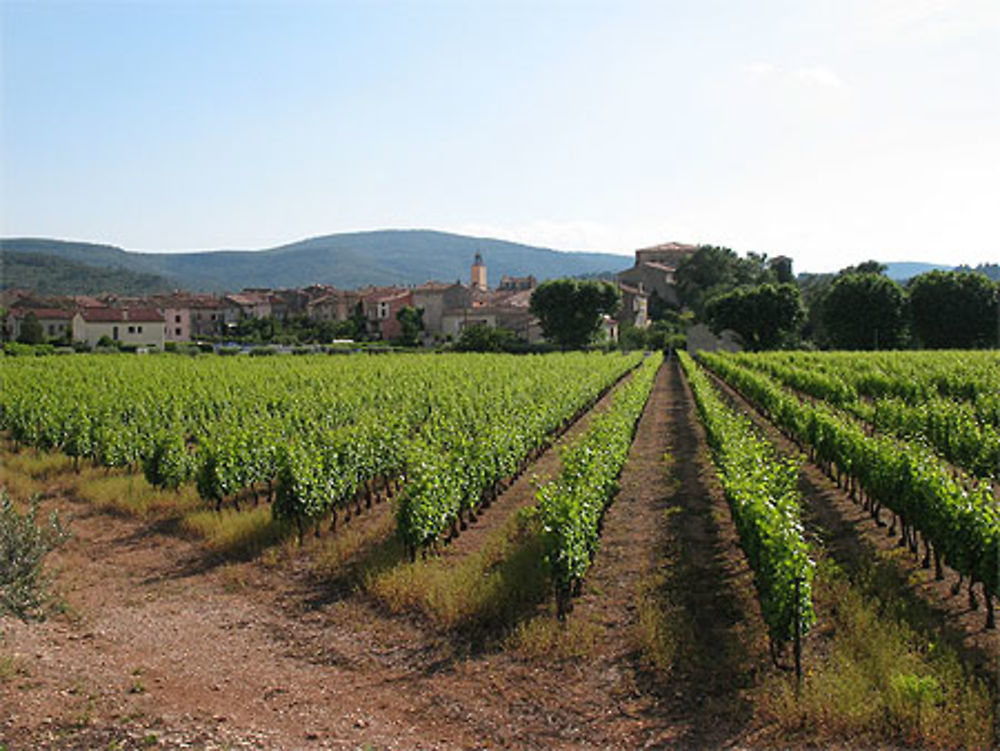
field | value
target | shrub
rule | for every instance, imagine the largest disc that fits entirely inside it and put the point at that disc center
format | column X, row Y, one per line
column 23, row 546
column 16, row 349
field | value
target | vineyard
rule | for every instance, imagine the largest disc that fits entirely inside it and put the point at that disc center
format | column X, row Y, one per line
column 775, row 549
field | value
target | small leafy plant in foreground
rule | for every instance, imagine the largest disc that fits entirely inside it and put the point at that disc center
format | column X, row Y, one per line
column 23, row 547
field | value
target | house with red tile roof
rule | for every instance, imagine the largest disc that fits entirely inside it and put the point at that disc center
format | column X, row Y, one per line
column 139, row 326
column 57, row 323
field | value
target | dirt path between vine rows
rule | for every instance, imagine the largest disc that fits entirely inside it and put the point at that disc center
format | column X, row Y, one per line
column 162, row 645
column 669, row 568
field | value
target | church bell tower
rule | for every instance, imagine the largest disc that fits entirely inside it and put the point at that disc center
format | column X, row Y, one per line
column 479, row 273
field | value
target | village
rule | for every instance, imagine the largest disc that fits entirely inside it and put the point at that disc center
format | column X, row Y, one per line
column 446, row 309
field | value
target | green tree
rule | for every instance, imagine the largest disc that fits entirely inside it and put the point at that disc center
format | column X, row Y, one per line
column 31, row 330
column 570, row 310
column 482, row 338
column 412, row 322
column 951, row 309
column 782, row 269
column 864, row 311
column 711, row 271
column 868, row 267
column 763, row 316
column 631, row 337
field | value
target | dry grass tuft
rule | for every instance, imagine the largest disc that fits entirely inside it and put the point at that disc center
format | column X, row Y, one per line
column 337, row 549
column 28, row 472
column 544, row 637
column 661, row 625
column 131, row 494
column 880, row 680
column 238, row 534
column 8, row 668
column 490, row 588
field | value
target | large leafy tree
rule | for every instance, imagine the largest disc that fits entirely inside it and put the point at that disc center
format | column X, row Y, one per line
column 954, row 309
column 570, row 310
column 864, row 311
column 712, row 270
column 763, row 316
column 815, row 288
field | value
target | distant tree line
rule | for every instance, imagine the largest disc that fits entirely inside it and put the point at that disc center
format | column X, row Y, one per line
column 858, row 308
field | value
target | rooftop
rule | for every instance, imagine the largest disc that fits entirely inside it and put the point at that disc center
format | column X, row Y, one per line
column 112, row 315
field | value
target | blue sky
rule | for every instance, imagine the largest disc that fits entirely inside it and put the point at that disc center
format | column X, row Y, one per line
column 829, row 130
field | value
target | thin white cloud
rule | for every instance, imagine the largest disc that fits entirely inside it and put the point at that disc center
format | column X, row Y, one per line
column 819, row 76
column 809, row 75
column 926, row 20
column 760, row 69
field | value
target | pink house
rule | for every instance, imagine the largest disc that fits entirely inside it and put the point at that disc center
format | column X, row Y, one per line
column 381, row 306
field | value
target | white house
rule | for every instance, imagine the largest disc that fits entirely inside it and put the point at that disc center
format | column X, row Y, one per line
column 139, row 326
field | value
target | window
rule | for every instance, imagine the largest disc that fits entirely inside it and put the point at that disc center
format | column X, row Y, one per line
column 177, row 318
column 131, row 329
column 177, row 331
column 139, row 329
column 52, row 328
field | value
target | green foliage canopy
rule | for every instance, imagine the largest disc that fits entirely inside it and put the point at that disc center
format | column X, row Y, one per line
column 570, row 310
column 951, row 309
column 711, row 271
column 864, row 311
column 482, row 338
column 412, row 322
column 763, row 316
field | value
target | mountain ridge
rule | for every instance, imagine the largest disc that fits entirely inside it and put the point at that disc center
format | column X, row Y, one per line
column 346, row 260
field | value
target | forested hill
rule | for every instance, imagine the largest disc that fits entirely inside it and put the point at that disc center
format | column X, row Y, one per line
column 52, row 275
column 992, row 270
column 344, row 260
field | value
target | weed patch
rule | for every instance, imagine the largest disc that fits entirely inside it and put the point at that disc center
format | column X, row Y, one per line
column 488, row 589
column 659, row 625
column 131, row 494
column 237, row 534
column 545, row 637
column 27, row 473
column 349, row 542
column 877, row 678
